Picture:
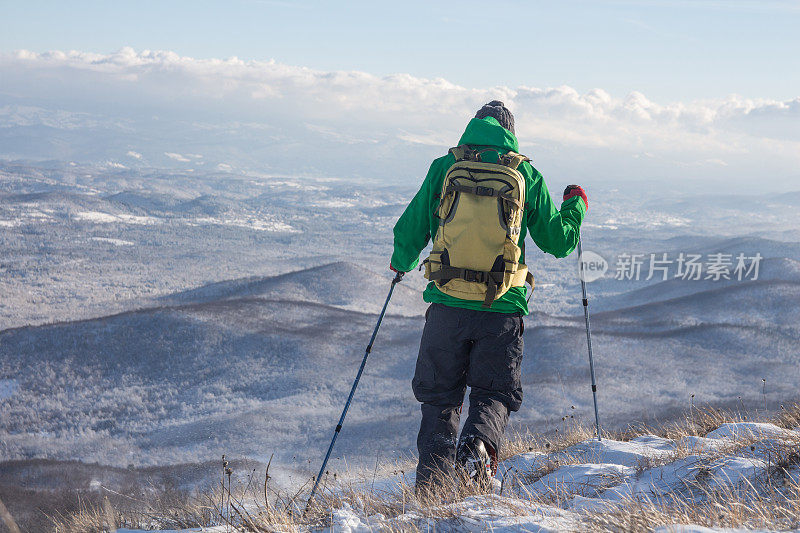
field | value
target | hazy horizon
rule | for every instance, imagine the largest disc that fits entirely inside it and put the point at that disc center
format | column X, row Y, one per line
column 697, row 96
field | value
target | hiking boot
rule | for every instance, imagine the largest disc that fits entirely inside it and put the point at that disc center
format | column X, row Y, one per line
column 474, row 461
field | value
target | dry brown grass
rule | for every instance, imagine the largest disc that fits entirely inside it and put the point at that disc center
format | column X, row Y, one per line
column 769, row 501
column 788, row 417
column 729, row 507
column 567, row 436
column 772, row 501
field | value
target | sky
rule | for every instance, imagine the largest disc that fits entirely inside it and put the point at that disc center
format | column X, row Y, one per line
column 710, row 87
column 669, row 49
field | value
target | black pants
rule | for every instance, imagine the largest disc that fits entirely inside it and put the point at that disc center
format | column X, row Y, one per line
column 461, row 348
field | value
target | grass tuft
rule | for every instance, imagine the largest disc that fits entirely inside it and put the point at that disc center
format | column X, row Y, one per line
column 768, row 501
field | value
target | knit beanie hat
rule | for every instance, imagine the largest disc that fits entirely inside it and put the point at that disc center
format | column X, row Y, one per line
column 497, row 110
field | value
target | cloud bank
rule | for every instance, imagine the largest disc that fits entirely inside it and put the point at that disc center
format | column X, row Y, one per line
column 581, row 133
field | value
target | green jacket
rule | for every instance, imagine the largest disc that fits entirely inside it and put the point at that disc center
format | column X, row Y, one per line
column 555, row 232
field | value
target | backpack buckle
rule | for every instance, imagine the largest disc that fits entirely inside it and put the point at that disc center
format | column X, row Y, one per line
column 484, row 191
column 468, row 154
column 475, row 276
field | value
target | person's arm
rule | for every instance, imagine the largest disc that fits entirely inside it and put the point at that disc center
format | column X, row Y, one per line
column 554, row 231
column 412, row 230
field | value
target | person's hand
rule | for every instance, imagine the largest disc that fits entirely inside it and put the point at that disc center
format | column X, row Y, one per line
column 576, row 190
column 398, row 274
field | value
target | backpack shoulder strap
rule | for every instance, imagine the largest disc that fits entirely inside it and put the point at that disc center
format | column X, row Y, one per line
column 464, row 152
column 513, row 159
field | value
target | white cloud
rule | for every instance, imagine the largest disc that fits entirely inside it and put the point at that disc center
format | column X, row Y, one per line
column 359, row 107
column 135, row 155
column 177, row 157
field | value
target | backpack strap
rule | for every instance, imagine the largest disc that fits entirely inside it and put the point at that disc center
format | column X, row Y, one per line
column 464, row 152
column 492, row 279
column 513, row 159
column 483, row 191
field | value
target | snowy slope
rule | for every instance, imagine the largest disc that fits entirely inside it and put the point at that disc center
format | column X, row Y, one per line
column 245, row 377
column 344, row 285
column 584, row 487
column 592, row 477
column 752, row 303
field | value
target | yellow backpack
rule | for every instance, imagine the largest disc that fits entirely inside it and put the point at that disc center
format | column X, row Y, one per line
column 475, row 254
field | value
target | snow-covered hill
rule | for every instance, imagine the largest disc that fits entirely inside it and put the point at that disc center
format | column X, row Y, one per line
column 343, row 285
column 777, row 269
column 594, row 485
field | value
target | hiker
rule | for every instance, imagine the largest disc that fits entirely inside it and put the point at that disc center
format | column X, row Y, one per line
column 478, row 202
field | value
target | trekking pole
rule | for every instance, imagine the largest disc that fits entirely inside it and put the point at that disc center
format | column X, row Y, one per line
column 395, row 281
column 588, row 338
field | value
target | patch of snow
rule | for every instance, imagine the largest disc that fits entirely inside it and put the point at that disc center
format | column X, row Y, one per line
column 655, row 442
column 38, row 214
column 96, row 216
column 9, row 223
column 736, row 430
column 526, row 462
column 498, row 513
column 115, row 242
column 661, row 479
column 298, row 186
column 582, row 478
column 107, row 218
column 602, row 226
column 620, row 453
column 732, row 470
column 592, row 505
column 345, row 520
column 703, row 444
column 333, row 203
column 249, row 223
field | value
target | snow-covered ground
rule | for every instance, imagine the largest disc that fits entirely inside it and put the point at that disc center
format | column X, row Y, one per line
column 572, row 489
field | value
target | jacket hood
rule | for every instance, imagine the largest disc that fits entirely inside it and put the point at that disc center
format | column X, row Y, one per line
column 488, row 132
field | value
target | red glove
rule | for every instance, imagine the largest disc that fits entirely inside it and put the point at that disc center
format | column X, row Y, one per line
column 575, row 190
column 398, row 275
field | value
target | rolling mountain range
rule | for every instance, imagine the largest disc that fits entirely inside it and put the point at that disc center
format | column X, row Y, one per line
column 342, row 285
column 154, row 319
column 261, row 365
